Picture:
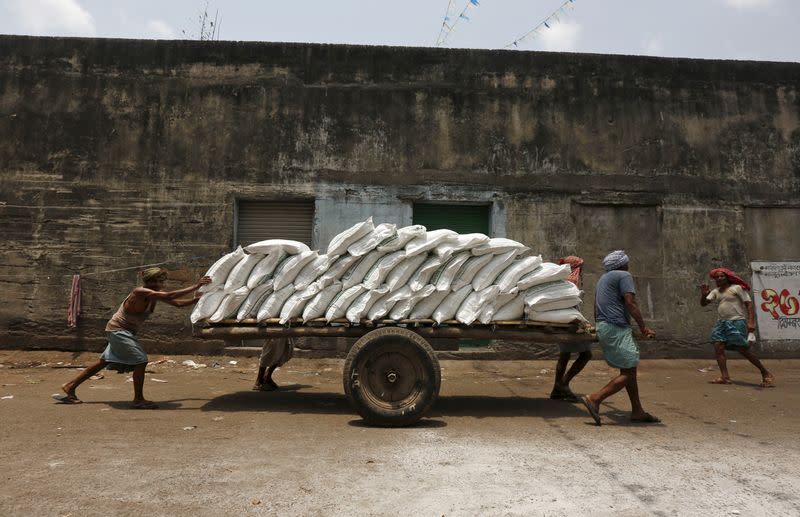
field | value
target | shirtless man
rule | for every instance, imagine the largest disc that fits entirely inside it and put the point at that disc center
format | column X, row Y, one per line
column 736, row 319
column 124, row 353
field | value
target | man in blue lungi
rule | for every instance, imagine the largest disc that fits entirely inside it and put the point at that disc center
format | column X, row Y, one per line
column 615, row 304
column 123, row 352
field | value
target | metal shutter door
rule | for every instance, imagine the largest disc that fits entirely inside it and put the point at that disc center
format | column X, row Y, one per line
column 259, row 220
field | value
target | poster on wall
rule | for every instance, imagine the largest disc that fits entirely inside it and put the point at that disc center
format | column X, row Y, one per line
column 776, row 299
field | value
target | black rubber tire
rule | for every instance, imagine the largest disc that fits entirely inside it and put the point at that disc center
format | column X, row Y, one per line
column 367, row 377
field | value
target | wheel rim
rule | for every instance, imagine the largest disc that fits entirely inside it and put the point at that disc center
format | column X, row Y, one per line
column 391, row 377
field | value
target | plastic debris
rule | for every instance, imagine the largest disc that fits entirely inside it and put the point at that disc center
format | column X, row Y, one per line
column 97, row 377
column 157, row 380
column 7, row 397
column 218, row 418
column 233, row 362
column 189, row 362
column 189, row 427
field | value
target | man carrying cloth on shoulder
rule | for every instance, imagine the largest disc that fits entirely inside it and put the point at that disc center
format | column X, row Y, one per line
column 615, row 303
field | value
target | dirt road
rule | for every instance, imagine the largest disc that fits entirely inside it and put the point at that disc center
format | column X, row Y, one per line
column 494, row 445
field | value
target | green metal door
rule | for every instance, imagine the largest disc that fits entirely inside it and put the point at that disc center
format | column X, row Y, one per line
column 461, row 219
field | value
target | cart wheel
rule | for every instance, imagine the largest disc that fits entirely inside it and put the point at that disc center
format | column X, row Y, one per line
column 391, row 377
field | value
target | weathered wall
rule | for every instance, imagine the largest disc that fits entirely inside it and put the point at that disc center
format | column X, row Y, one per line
column 116, row 153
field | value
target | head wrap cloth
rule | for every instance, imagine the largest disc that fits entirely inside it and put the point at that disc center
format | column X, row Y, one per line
column 615, row 260
column 732, row 277
column 153, row 273
column 575, row 263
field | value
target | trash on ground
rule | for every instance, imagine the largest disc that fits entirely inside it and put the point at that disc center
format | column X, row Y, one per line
column 7, row 397
column 157, row 380
column 189, row 427
column 97, row 377
column 218, row 418
column 233, row 362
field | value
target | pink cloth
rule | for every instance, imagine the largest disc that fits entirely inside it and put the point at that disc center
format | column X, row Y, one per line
column 576, row 263
column 732, row 277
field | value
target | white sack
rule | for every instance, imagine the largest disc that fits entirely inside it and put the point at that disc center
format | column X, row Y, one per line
column 468, row 271
column 341, row 242
column 400, row 275
column 254, row 300
column 500, row 245
column 371, row 240
column 547, row 272
column 551, row 292
column 424, row 309
column 383, row 305
column 402, row 308
column 492, row 270
column 207, row 305
column 421, row 277
column 474, row 303
column 427, row 242
column 449, row 306
column 338, row 307
column 294, row 305
column 277, row 246
column 241, row 272
column 457, row 243
column 563, row 303
column 444, row 275
column 271, row 307
column 313, row 270
column 492, row 306
column 319, row 304
column 399, row 241
column 508, row 279
column 220, row 269
column 230, row 305
column 357, row 273
column 512, row 311
column 378, row 272
column 265, row 268
column 558, row 316
column 360, row 307
column 291, row 267
column 337, row 270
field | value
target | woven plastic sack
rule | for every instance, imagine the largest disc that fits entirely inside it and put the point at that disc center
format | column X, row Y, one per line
column 402, row 309
column 487, row 275
column 207, row 305
column 385, row 303
column 317, row 306
column 313, row 270
column 547, row 272
column 563, row 303
column 271, row 307
column 338, row 307
column 241, row 272
column 371, row 240
column 341, row 242
column 401, row 274
column 357, row 273
column 294, row 305
column 468, row 271
column 403, row 236
column 360, row 307
column 449, row 306
column 382, row 268
column 474, row 303
column 422, row 276
column 462, row 242
column 254, row 300
column 492, row 306
column 427, row 242
column 509, row 278
column 500, row 245
column 424, row 309
column 273, row 246
column 220, row 269
column 511, row 311
column 264, row 269
column 337, row 270
column 445, row 275
column 551, row 292
column 558, row 316
column 291, row 267
column 230, row 305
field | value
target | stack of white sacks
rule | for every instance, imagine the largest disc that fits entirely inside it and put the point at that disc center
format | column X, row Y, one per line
column 381, row 272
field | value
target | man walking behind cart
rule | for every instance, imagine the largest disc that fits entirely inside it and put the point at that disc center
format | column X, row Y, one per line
column 124, row 353
column 274, row 353
column 615, row 303
column 561, row 389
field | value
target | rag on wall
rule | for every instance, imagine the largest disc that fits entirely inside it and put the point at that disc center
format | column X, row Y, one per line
column 74, row 310
column 576, row 263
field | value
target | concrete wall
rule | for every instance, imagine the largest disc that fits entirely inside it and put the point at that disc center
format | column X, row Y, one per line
column 116, row 153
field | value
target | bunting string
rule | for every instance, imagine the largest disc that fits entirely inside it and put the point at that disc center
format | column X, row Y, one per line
column 450, row 20
column 546, row 24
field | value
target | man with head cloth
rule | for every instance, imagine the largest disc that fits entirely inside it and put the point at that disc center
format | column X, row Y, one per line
column 615, row 304
column 123, row 352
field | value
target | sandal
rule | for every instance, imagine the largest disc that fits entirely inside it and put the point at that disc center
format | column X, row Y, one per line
column 65, row 398
column 768, row 381
column 721, row 380
column 592, row 409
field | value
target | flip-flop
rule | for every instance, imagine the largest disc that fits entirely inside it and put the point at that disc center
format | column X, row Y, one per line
column 63, row 398
column 647, row 419
column 592, row 410
column 768, row 382
column 145, row 405
column 721, row 381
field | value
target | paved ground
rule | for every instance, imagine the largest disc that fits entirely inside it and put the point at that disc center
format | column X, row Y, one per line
column 493, row 445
